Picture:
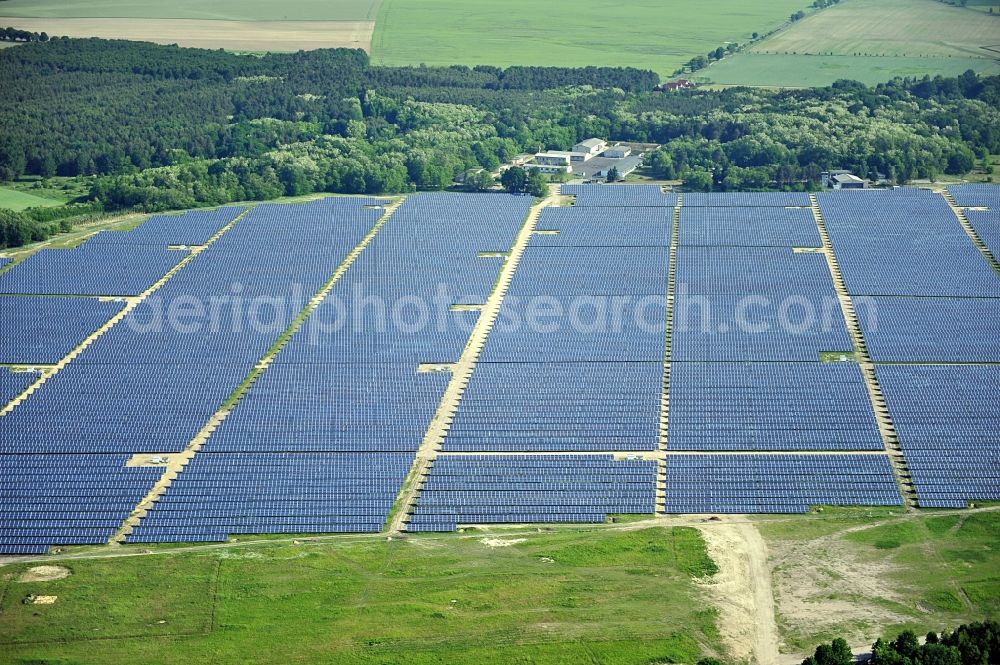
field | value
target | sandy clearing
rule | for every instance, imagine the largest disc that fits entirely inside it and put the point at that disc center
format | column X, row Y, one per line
column 500, row 542
column 742, row 591
column 232, row 35
column 44, row 574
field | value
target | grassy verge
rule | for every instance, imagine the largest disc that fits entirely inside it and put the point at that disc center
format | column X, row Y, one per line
column 598, row 595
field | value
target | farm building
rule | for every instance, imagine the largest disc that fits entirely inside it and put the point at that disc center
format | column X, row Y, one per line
column 618, row 152
column 846, row 181
column 679, row 84
column 592, row 147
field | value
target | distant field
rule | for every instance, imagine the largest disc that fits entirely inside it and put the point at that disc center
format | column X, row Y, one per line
column 890, row 27
column 656, row 34
column 251, row 25
column 230, row 10
column 870, row 41
column 801, row 71
column 196, row 33
column 14, row 200
column 614, row 597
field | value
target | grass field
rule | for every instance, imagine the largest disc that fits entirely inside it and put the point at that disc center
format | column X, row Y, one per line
column 656, row 34
column 869, row 41
column 802, row 71
column 846, row 575
column 570, row 596
column 915, row 28
column 230, row 10
column 13, row 199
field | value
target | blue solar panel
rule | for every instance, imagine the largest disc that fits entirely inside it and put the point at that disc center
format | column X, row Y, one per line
column 748, row 227
column 478, row 489
column 220, row 494
column 191, row 228
column 603, row 227
column 752, row 271
column 66, row 499
column 986, row 224
column 43, row 330
column 946, row 417
column 596, row 271
column 746, row 199
column 13, row 384
column 976, row 195
column 620, row 196
column 354, row 408
column 559, row 406
column 904, row 242
column 770, row 406
column 99, row 269
column 777, row 483
column 931, row 329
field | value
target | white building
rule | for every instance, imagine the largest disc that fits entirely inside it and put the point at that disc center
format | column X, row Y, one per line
column 590, row 147
column 618, row 152
column 554, row 158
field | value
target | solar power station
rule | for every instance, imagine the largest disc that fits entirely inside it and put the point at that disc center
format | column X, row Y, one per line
column 359, row 365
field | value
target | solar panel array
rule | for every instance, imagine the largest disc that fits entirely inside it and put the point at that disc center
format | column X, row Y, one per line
column 480, row 489
column 541, row 407
column 151, row 382
column 976, row 195
column 191, row 228
column 931, row 330
column 755, row 304
column 986, row 224
column 603, row 227
column 573, row 363
column 76, row 499
column 946, row 418
column 777, row 483
column 770, row 406
column 986, row 220
column 99, row 269
column 746, row 199
column 904, row 242
column 748, row 226
column 621, row 196
column 13, row 384
column 324, row 438
column 5, row 260
column 908, row 243
column 223, row 494
column 751, row 320
column 42, row 330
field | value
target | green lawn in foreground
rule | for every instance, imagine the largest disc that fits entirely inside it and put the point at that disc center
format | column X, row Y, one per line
column 572, row 596
column 234, row 10
column 868, row 572
column 17, row 200
column 654, row 34
column 800, row 71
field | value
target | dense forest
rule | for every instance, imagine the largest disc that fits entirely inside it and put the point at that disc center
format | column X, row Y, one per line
column 162, row 127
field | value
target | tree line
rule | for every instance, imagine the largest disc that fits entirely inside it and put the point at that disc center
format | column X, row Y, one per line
column 161, row 127
column 969, row 644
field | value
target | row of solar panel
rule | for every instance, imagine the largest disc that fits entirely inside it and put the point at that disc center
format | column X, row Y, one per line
column 331, row 389
column 904, row 242
column 621, row 196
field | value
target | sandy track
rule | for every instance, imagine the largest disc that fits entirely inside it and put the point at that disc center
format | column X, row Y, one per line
column 742, row 591
column 232, row 35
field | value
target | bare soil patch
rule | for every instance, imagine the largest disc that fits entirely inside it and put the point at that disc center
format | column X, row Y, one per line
column 44, row 574
column 231, row 35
